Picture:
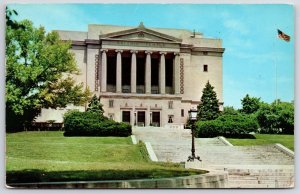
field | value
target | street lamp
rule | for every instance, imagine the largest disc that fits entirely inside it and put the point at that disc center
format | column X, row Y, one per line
column 192, row 119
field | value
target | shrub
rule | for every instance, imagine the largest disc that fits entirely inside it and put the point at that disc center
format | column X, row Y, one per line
column 92, row 124
column 228, row 126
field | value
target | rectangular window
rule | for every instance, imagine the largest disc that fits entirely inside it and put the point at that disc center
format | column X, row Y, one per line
column 111, row 103
column 205, row 68
column 170, row 104
column 182, row 112
column 205, row 52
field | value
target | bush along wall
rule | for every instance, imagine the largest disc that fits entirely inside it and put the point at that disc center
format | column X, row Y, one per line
column 235, row 126
column 92, row 124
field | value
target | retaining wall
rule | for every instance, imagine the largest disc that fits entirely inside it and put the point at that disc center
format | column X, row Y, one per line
column 209, row 180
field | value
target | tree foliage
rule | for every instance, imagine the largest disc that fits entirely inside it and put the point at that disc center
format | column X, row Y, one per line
column 208, row 109
column 250, row 104
column 229, row 110
column 10, row 22
column 39, row 69
column 235, row 126
column 277, row 117
column 95, row 106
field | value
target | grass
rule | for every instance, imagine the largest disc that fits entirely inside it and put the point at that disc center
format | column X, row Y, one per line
column 49, row 156
column 262, row 139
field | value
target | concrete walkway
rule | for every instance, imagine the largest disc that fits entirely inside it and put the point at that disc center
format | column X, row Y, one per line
column 247, row 166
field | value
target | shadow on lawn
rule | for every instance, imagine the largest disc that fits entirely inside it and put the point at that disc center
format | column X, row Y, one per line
column 35, row 175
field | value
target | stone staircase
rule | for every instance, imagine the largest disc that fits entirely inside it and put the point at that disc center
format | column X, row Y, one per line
column 247, row 166
column 261, row 176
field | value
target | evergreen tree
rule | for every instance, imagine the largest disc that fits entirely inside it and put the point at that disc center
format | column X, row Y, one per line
column 250, row 104
column 208, row 109
column 95, row 106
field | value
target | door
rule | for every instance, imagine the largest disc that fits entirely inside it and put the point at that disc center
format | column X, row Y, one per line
column 126, row 116
column 156, row 119
column 141, row 118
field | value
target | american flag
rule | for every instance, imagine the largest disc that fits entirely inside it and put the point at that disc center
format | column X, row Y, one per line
column 283, row 36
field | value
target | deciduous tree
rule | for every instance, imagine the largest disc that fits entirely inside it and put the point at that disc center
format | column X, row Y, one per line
column 277, row 117
column 229, row 110
column 39, row 69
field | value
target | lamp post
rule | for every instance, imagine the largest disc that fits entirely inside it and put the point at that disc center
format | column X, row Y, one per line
column 192, row 119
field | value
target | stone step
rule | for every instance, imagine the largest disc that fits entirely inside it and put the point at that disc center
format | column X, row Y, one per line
column 256, row 184
column 284, row 169
column 265, row 177
column 249, row 186
column 248, row 166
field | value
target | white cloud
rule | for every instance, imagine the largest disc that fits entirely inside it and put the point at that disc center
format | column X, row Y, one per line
column 236, row 25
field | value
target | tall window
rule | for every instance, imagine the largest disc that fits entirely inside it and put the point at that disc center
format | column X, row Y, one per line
column 182, row 112
column 205, row 68
column 170, row 104
column 111, row 103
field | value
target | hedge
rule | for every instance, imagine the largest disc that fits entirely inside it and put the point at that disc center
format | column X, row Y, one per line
column 238, row 126
column 92, row 124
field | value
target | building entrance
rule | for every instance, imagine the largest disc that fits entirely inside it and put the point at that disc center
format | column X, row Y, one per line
column 126, row 117
column 141, row 118
column 156, row 119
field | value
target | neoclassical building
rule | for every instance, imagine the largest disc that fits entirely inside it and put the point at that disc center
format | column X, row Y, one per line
column 145, row 76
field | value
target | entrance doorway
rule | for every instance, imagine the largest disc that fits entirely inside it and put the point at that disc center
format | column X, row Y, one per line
column 141, row 118
column 156, row 119
column 126, row 117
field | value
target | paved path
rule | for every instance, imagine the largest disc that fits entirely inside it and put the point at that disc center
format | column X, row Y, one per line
column 248, row 166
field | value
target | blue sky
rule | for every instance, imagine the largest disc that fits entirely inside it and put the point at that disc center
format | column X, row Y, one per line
column 249, row 34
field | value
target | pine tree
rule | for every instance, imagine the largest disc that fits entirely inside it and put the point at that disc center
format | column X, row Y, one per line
column 208, row 109
column 250, row 104
column 95, row 106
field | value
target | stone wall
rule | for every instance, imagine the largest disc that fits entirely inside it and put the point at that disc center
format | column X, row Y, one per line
column 209, row 180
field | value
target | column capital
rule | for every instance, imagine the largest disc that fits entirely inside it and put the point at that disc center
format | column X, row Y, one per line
column 163, row 53
column 176, row 54
column 148, row 52
column 104, row 50
column 119, row 51
column 134, row 51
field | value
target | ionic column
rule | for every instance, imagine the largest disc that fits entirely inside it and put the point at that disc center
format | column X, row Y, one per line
column 176, row 75
column 162, row 73
column 104, row 70
column 148, row 72
column 133, row 71
column 119, row 71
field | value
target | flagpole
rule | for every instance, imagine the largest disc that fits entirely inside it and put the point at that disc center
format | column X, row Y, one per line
column 285, row 38
column 276, row 79
column 275, row 61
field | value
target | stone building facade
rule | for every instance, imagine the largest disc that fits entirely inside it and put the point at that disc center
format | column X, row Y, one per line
column 145, row 76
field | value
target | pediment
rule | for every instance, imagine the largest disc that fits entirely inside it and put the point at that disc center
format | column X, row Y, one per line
column 140, row 33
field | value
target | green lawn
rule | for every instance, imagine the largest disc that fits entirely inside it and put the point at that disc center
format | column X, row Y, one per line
column 261, row 139
column 49, row 156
